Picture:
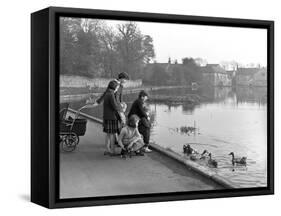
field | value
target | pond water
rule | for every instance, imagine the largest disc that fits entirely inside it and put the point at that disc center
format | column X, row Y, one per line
column 228, row 120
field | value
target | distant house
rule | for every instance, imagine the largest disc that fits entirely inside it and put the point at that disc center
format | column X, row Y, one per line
column 215, row 75
column 259, row 78
column 251, row 76
column 231, row 75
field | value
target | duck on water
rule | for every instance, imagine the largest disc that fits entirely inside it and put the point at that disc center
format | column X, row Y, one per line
column 238, row 160
column 193, row 154
column 212, row 162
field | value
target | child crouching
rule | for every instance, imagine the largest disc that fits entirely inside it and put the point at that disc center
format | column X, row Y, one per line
column 129, row 138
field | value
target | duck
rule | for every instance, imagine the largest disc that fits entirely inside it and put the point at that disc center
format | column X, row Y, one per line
column 212, row 162
column 238, row 160
column 188, row 150
column 203, row 155
column 194, row 157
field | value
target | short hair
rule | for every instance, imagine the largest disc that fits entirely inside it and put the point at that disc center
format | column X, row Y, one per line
column 123, row 75
column 112, row 85
column 143, row 94
column 132, row 121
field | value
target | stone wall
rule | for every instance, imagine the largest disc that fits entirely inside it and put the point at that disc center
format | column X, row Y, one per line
column 217, row 79
column 78, row 82
column 222, row 80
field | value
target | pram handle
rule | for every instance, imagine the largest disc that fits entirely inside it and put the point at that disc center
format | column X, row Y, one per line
column 88, row 106
column 75, row 117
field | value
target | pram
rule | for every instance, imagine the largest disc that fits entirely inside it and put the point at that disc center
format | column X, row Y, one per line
column 70, row 129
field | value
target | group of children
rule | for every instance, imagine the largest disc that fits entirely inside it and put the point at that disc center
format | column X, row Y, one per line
column 120, row 130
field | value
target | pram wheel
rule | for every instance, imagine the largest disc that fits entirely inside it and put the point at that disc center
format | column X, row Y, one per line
column 69, row 142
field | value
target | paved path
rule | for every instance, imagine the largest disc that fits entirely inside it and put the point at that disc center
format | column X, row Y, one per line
column 88, row 173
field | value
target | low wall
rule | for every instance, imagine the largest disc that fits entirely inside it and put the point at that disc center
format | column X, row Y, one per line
column 77, row 97
column 196, row 167
column 79, row 81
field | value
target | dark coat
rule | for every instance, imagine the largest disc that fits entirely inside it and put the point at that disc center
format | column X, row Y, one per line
column 110, row 106
column 138, row 109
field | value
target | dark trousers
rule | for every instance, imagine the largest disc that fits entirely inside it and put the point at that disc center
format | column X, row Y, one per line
column 145, row 132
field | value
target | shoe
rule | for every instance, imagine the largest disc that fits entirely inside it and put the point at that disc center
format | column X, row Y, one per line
column 147, row 150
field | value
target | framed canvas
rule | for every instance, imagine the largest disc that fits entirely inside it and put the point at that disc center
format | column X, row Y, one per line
column 132, row 107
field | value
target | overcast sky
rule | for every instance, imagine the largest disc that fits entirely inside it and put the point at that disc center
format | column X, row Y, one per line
column 215, row 44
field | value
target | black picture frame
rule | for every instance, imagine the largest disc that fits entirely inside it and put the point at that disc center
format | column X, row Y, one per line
column 45, row 102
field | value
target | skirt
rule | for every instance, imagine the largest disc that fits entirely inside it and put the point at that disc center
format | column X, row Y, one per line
column 111, row 126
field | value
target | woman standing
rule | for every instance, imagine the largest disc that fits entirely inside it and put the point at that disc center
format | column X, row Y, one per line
column 111, row 125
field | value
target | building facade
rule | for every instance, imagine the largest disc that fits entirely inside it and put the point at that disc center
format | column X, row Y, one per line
column 215, row 75
column 251, row 76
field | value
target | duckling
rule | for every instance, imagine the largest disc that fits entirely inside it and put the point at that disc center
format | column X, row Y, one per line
column 188, row 150
column 194, row 157
column 238, row 160
column 192, row 153
column 212, row 162
column 203, row 155
column 184, row 149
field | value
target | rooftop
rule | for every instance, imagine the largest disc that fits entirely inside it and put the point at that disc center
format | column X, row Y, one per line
column 213, row 68
column 248, row 71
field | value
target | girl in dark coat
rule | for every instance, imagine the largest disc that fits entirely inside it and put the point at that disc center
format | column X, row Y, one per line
column 111, row 125
column 122, row 78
